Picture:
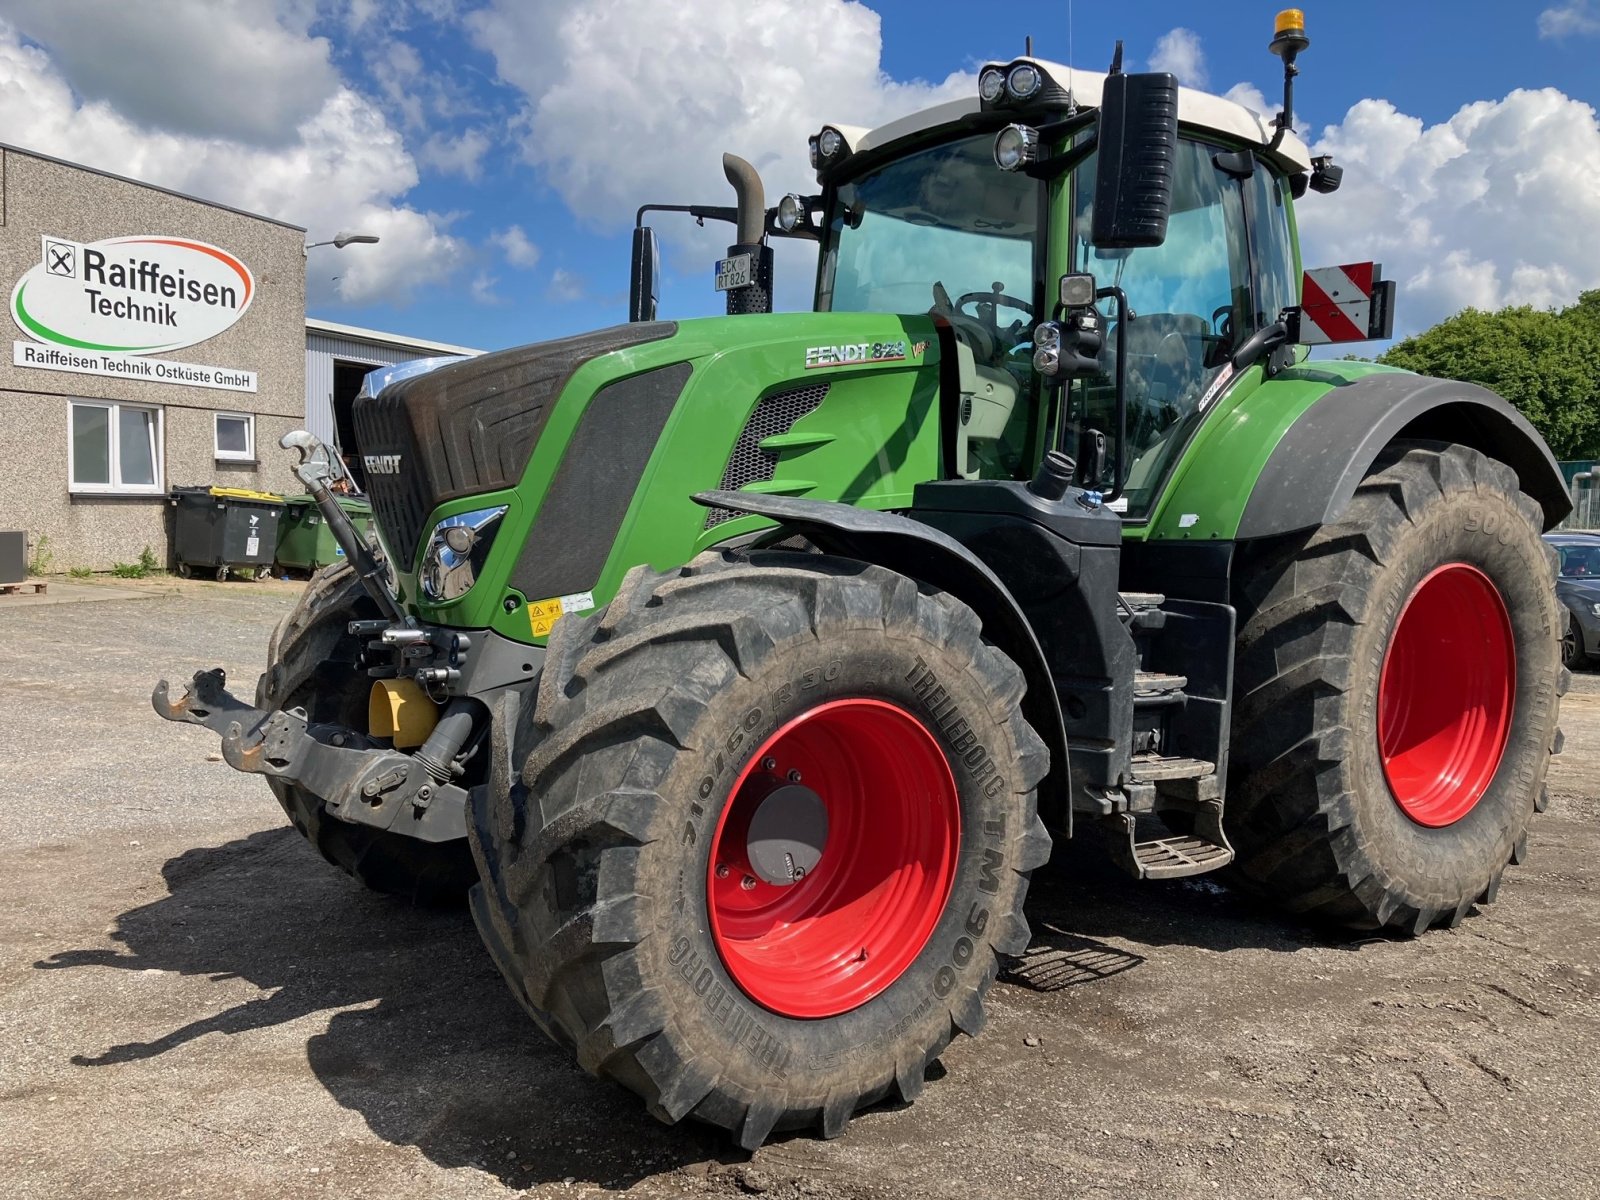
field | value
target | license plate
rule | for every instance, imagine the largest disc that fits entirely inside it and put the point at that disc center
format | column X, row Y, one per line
column 735, row 272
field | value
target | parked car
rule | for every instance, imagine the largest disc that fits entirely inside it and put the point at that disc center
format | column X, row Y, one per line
column 1578, row 587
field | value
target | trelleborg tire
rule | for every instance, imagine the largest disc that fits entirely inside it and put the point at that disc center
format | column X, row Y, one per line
column 623, row 892
column 312, row 664
column 1397, row 682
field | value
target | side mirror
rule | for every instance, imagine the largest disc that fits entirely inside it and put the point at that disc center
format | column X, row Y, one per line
column 1138, row 146
column 643, row 288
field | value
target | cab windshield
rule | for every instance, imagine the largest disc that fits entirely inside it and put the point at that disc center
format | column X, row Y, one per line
column 942, row 219
column 945, row 231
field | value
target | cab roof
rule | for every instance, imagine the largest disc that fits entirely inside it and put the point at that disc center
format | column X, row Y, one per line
column 1198, row 110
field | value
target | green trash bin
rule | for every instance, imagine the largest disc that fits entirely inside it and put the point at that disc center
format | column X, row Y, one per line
column 304, row 540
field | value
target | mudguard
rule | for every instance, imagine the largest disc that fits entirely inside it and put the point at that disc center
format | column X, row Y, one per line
column 929, row 556
column 1315, row 468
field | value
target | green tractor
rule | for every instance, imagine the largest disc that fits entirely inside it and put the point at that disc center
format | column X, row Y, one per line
column 742, row 669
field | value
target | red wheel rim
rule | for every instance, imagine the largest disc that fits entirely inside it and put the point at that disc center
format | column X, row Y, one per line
column 849, row 928
column 1445, row 695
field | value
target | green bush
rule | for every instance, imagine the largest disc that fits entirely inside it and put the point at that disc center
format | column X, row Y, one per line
column 81, row 572
column 43, row 556
column 147, row 565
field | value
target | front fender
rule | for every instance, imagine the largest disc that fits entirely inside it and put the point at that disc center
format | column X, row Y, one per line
column 929, row 556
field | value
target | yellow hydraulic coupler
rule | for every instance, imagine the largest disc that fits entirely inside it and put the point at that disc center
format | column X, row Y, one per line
column 399, row 709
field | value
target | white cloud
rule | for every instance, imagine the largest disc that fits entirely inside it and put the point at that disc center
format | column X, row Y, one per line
column 456, row 153
column 515, row 247
column 243, row 69
column 1489, row 208
column 482, row 289
column 343, row 167
column 629, row 101
column 1574, row 18
column 1179, row 51
column 565, row 287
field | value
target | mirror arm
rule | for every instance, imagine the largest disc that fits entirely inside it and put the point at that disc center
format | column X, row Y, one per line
column 1263, row 341
column 1060, row 164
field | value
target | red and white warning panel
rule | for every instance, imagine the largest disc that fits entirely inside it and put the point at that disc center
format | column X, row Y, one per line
column 1352, row 303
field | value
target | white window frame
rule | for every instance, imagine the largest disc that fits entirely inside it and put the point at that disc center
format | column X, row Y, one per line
column 222, row 455
column 113, row 424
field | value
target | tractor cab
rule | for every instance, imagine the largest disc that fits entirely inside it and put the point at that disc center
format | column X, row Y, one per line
column 973, row 215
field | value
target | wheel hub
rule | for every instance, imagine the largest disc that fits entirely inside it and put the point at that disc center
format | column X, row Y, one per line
column 787, row 834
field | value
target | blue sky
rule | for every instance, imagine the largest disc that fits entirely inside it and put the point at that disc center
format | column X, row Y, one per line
column 499, row 146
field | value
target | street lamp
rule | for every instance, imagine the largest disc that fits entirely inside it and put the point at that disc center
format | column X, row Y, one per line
column 346, row 238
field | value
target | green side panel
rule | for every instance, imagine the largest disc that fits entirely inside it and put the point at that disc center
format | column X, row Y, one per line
column 873, row 437
column 1207, row 490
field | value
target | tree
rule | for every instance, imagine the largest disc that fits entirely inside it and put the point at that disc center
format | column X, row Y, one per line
column 1545, row 363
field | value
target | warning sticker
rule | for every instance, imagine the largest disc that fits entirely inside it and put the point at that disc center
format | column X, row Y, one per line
column 252, row 547
column 543, row 614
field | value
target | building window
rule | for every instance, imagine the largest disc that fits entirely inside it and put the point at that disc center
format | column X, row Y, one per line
column 113, row 448
column 236, row 437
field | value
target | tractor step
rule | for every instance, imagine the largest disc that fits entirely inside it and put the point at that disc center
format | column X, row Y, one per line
column 1154, row 768
column 1172, row 856
column 1158, row 687
column 1141, row 610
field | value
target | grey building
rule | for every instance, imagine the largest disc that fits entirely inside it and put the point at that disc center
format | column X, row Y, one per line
column 156, row 341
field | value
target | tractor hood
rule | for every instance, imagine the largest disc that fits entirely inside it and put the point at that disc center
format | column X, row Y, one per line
column 526, row 481
column 467, row 428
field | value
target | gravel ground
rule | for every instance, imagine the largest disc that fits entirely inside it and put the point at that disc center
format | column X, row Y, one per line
column 193, row 1004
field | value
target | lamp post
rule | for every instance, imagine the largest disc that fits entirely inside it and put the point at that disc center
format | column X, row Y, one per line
column 346, row 238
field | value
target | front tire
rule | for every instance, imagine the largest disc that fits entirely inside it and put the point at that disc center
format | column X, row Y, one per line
column 1397, row 683
column 312, row 663
column 779, row 979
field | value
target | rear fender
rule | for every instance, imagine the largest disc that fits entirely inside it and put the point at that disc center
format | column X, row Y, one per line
column 931, row 557
column 1313, row 472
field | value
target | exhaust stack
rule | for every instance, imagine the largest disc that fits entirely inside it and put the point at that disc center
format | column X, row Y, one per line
column 756, row 296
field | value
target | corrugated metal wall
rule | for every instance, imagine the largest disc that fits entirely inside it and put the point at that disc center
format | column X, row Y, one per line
column 321, row 350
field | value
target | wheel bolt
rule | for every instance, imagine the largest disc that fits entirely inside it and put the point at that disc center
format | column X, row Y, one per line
column 748, row 883
column 722, row 870
column 769, row 764
column 794, row 776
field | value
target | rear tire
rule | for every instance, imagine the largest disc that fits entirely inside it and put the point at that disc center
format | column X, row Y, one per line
column 602, row 899
column 312, row 664
column 1429, row 604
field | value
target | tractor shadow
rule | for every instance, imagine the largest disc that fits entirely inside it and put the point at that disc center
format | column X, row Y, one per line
column 426, row 1043
column 438, row 1055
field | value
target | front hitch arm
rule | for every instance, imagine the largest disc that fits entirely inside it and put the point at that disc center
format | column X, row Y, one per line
column 357, row 780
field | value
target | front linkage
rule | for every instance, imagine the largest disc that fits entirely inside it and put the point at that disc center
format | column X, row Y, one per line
column 359, row 779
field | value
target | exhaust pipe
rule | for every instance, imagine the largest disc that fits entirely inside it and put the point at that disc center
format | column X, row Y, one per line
column 756, row 297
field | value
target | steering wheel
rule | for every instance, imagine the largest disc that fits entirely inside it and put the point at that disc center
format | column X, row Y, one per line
column 977, row 299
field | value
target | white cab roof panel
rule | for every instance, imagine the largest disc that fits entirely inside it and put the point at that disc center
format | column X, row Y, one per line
column 1197, row 109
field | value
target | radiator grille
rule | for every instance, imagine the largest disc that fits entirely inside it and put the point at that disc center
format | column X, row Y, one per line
column 749, row 463
column 400, row 502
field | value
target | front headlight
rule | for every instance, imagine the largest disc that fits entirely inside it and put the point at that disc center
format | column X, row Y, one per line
column 1595, row 609
column 457, row 550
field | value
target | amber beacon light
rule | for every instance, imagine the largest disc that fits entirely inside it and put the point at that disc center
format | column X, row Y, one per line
column 1289, row 33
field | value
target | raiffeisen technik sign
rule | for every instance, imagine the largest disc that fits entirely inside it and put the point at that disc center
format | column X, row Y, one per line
column 102, row 308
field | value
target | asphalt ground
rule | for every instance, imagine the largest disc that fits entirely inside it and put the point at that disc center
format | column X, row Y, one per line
column 192, row 1003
